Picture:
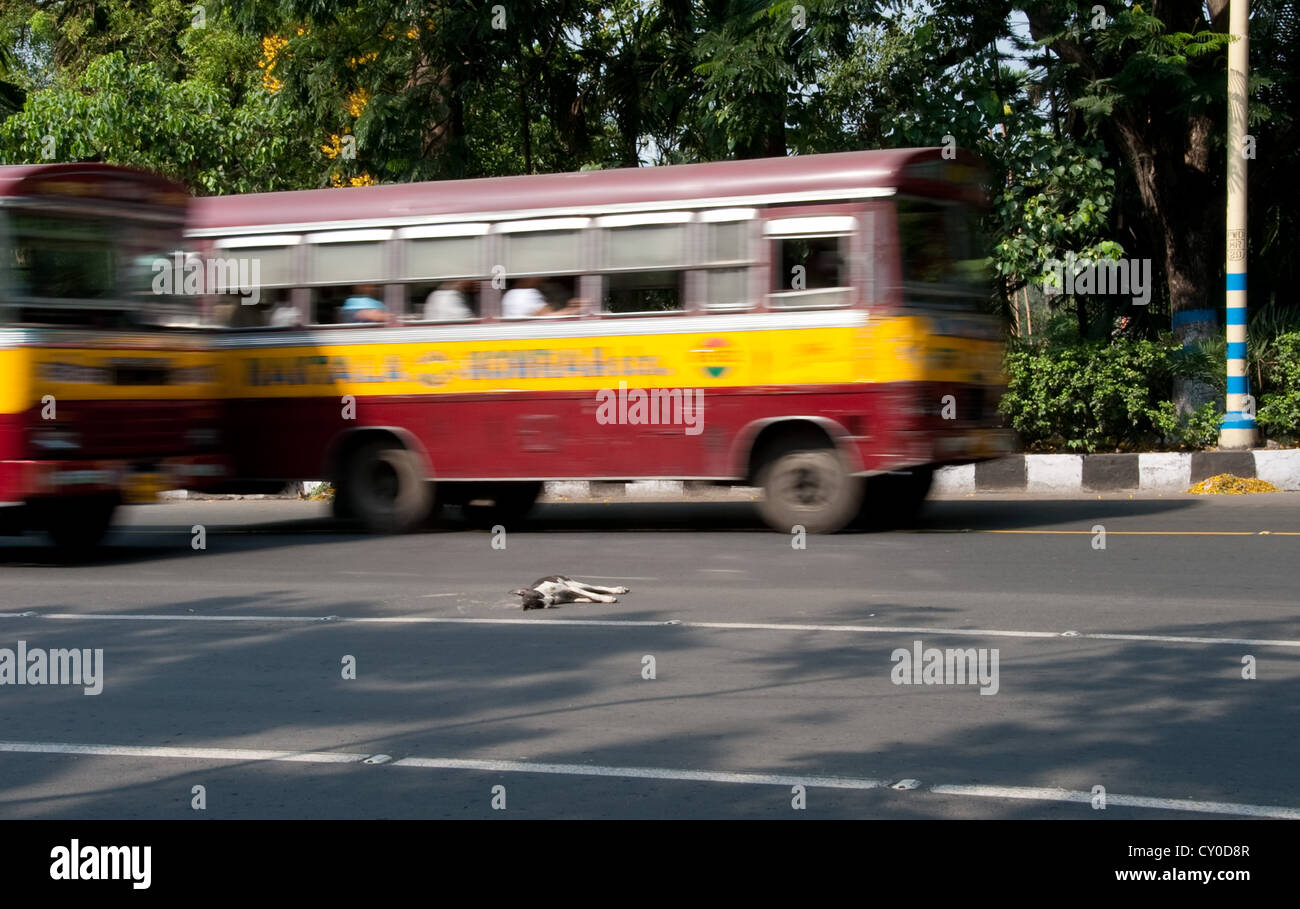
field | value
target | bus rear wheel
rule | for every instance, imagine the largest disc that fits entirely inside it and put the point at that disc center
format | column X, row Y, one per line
column 384, row 488
column 808, row 487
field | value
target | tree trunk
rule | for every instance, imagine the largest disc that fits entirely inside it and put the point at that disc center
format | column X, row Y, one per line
column 1179, row 188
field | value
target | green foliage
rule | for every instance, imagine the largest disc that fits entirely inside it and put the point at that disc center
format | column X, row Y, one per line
column 1060, row 203
column 1091, row 396
column 1202, row 427
column 1278, row 413
column 133, row 115
column 1095, row 396
column 1151, row 62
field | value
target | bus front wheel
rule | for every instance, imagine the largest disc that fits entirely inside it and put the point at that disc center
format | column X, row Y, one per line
column 384, row 488
column 77, row 524
column 809, row 488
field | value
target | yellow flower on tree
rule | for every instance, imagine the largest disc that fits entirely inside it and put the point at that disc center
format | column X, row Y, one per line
column 357, row 102
column 339, row 181
column 271, row 47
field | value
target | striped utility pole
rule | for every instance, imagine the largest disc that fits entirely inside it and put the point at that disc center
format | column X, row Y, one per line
column 1238, row 427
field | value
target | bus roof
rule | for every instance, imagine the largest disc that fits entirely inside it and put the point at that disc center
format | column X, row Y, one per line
column 806, row 177
column 90, row 182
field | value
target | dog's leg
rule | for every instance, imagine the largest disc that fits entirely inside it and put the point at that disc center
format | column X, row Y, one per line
column 584, row 587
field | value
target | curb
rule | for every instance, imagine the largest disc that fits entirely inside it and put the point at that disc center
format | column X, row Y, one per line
column 1052, row 473
column 645, row 489
column 1145, row 472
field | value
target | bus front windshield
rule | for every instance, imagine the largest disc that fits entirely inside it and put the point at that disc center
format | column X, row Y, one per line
column 943, row 252
column 84, row 270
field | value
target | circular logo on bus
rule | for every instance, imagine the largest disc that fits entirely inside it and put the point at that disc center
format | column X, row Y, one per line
column 716, row 357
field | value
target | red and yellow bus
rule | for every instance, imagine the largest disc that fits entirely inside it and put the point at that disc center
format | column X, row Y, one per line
column 812, row 325
column 108, row 393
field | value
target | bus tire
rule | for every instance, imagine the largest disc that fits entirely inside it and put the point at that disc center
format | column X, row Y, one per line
column 341, row 502
column 77, row 524
column 511, row 503
column 385, row 489
column 895, row 499
column 810, row 488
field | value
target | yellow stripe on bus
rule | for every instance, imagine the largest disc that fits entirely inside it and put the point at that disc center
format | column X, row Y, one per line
column 890, row 350
column 28, row 374
column 794, row 357
column 15, row 376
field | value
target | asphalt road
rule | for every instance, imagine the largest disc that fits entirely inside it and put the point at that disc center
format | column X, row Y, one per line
column 223, row 667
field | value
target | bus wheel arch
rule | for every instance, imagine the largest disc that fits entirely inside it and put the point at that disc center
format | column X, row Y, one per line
column 380, row 478
column 807, row 476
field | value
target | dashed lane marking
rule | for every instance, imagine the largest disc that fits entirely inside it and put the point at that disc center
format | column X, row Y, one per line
column 632, row 623
column 784, row 780
column 1119, row 800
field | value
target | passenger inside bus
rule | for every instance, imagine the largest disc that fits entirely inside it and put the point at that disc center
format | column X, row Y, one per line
column 574, row 306
column 523, row 300
column 274, row 309
column 363, row 305
column 450, row 302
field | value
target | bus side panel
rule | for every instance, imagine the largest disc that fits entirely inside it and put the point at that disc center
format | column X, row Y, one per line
column 559, row 435
column 633, row 404
column 14, row 398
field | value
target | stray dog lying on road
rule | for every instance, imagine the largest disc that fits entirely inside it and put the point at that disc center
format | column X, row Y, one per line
column 557, row 589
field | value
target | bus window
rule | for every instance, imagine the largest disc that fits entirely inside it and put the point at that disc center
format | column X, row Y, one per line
column 538, row 297
column 56, row 257
column 445, row 301
column 810, row 259
column 544, row 259
column 727, row 245
column 250, row 278
column 546, row 246
column 89, row 271
column 644, row 291
column 643, row 262
column 443, row 267
column 269, row 308
column 727, row 288
column 349, row 268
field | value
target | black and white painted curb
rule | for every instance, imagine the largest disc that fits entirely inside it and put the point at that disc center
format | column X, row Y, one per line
column 1052, row 473
column 1145, row 472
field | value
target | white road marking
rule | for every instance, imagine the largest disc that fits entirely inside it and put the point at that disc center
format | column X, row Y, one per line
column 642, row 773
column 1124, row 801
column 171, row 618
column 784, row 780
column 196, row 754
column 630, row 623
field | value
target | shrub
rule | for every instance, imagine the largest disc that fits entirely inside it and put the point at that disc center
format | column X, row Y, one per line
column 1278, row 413
column 1090, row 396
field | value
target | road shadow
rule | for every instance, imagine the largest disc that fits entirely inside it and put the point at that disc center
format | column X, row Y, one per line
column 1138, row 717
column 158, row 540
